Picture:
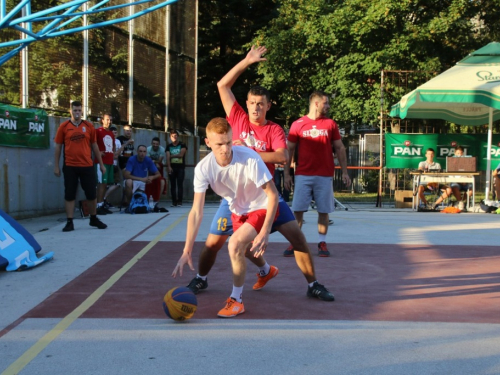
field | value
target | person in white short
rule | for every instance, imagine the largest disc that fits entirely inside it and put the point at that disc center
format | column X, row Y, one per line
column 238, row 175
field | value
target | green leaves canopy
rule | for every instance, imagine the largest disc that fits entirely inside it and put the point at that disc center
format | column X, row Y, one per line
column 342, row 46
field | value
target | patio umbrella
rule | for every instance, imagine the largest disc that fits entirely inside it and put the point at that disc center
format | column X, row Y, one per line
column 466, row 94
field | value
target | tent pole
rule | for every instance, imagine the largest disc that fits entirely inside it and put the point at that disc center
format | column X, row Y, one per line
column 488, row 155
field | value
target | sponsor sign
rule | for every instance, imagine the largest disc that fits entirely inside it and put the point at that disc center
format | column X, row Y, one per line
column 407, row 150
column 20, row 127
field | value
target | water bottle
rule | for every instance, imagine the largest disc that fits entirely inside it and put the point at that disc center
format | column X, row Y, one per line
column 151, row 202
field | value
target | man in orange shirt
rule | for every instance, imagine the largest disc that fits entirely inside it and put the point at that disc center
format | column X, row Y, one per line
column 79, row 139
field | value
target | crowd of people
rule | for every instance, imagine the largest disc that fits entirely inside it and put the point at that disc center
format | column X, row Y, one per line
column 116, row 163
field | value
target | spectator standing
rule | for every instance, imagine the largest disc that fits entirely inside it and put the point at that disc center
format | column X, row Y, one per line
column 176, row 165
column 116, row 170
column 106, row 143
column 279, row 180
column 79, row 140
column 128, row 146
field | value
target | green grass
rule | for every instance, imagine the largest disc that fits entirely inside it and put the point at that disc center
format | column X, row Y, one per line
column 358, row 198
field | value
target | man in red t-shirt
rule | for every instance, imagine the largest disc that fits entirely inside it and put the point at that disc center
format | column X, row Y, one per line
column 106, row 143
column 315, row 136
column 79, row 140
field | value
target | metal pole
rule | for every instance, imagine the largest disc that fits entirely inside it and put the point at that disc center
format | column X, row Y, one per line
column 85, row 68
column 167, row 67
column 379, row 195
column 196, row 72
column 488, row 155
column 24, row 61
column 131, row 66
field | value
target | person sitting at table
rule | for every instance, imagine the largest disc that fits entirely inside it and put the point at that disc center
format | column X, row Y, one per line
column 429, row 165
column 457, row 188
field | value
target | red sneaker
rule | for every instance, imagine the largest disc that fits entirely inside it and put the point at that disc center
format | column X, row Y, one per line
column 322, row 250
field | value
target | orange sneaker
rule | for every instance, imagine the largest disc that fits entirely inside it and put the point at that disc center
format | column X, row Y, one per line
column 231, row 309
column 262, row 280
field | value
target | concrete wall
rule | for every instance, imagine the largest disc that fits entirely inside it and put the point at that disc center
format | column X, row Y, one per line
column 29, row 188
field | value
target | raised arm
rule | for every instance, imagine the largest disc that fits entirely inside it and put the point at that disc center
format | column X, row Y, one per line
column 227, row 82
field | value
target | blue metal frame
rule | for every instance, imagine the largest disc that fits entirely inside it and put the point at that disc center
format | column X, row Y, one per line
column 69, row 14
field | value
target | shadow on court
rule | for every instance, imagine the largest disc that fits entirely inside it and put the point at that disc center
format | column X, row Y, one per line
column 426, row 283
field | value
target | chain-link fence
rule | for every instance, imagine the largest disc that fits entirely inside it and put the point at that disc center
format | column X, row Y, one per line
column 157, row 67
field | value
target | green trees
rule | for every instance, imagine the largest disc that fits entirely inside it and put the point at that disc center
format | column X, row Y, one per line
column 225, row 30
column 342, row 46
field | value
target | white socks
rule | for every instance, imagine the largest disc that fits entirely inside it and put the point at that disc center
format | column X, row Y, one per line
column 264, row 270
column 237, row 293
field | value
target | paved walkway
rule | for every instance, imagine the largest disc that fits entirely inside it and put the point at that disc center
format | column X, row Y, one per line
column 415, row 293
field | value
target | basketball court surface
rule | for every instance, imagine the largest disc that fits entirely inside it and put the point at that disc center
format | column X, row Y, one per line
column 416, row 293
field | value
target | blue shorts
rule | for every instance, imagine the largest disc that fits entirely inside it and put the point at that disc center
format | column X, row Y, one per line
column 223, row 226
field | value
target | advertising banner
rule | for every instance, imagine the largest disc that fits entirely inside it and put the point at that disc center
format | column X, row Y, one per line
column 24, row 127
column 407, row 150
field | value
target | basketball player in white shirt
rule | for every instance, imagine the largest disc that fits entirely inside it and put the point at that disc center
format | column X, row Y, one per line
column 238, row 175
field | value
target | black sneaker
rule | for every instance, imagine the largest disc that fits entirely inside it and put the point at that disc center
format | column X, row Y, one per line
column 159, row 209
column 197, row 284
column 102, row 211
column 108, row 205
column 95, row 222
column 320, row 292
column 69, row 227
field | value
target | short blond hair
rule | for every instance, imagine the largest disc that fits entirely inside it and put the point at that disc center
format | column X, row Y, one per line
column 218, row 125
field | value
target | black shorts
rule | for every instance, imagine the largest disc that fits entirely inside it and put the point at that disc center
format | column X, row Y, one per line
column 87, row 178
